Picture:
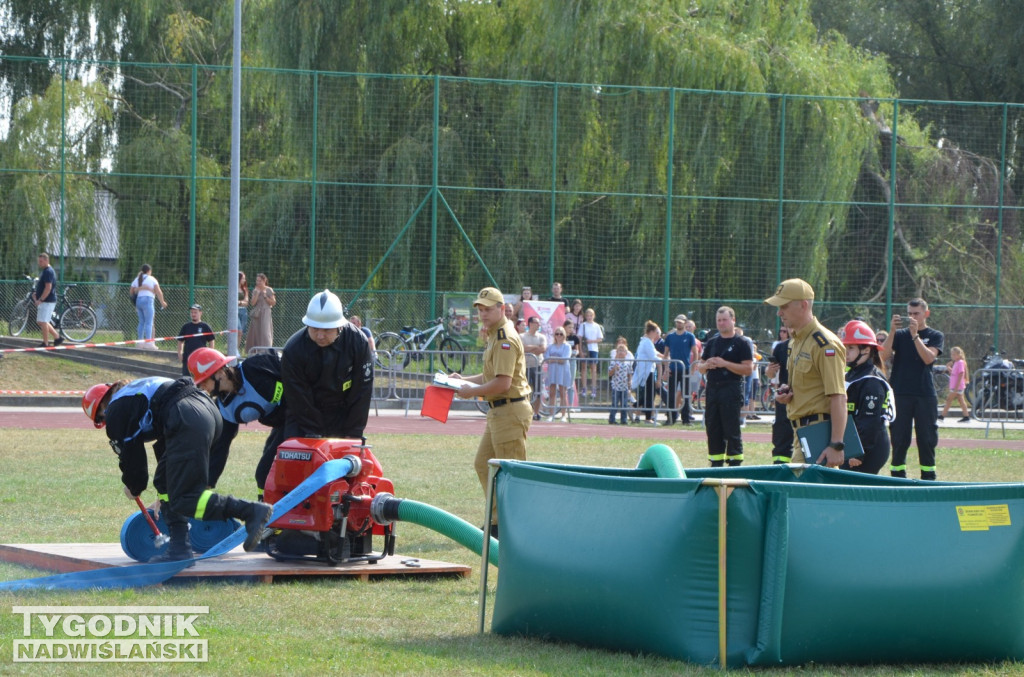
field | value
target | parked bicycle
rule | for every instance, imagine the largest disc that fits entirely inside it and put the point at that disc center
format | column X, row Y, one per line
column 395, row 351
column 75, row 320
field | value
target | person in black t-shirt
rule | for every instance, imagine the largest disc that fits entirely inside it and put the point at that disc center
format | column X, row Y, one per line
column 914, row 349
column 556, row 295
column 782, row 429
column 191, row 343
column 725, row 362
column 45, row 298
column 574, row 346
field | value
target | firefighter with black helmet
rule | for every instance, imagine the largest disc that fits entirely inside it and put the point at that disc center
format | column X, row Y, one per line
column 183, row 423
column 250, row 391
column 327, row 374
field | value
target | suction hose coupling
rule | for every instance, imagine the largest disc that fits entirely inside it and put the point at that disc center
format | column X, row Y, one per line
column 384, row 508
column 357, row 465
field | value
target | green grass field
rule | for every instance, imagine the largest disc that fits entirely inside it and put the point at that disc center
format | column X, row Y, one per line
column 63, row 486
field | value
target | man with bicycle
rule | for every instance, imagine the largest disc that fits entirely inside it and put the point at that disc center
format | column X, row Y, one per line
column 45, row 299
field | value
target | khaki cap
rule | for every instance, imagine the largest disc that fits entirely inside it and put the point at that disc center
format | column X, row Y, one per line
column 791, row 290
column 489, row 296
column 680, row 318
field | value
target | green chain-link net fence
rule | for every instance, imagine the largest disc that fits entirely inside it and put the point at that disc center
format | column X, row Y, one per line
column 405, row 193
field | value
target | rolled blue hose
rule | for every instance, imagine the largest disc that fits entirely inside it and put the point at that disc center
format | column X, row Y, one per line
column 137, row 537
column 205, row 534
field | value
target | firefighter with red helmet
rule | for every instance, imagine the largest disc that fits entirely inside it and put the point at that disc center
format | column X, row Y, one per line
column 327, row 374
column 250, row 391
column 183, row 423
column 868, row 395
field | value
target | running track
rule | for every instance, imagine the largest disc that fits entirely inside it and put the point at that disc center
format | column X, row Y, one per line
column 391, row 421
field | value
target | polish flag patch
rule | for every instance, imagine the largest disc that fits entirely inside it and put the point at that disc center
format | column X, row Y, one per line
column 506, row 346
column 830, row 352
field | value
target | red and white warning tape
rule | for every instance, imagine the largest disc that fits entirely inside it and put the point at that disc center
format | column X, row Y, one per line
column 77, row 346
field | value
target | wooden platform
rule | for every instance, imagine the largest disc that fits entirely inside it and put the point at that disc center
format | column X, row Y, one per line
column 68, row 557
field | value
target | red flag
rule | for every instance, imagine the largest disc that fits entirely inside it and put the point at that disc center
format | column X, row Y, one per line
column 437, row 402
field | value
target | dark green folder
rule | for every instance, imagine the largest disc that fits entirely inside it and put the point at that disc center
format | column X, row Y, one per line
column 812, row 439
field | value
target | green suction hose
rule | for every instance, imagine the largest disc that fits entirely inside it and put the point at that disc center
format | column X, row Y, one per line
column 386, row 509
column 664, row 462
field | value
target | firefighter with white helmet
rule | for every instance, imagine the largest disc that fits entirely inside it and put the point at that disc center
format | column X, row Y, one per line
column 327, row 373
column 868, row 395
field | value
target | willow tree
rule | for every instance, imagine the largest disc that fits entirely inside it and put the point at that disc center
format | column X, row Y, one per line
column 55, row 141
column 964, row 156
column 725, row 157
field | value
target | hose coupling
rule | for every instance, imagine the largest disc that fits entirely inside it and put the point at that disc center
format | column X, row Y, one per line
column 357, row 465
column 384, row 508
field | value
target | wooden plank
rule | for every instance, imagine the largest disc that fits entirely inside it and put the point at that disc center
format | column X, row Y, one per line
column 69, row 557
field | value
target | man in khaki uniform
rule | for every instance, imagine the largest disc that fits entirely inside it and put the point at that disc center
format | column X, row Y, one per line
column 817, row 366
column 503, row 384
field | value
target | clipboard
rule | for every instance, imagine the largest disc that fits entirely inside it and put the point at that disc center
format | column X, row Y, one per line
column 818, row 435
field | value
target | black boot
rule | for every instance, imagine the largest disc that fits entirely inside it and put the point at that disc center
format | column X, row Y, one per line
column 255, row 515
column 180, row 547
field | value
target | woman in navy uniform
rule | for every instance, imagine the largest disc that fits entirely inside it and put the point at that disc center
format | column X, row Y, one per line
column 868, row 395
column 251, row 391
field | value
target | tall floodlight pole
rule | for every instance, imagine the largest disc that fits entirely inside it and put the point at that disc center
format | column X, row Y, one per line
column 236, row 154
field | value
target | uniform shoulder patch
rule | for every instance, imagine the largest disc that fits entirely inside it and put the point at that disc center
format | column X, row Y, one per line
column 820, row 339
column 501, row 334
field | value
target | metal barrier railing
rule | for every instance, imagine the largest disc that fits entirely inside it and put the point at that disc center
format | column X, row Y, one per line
column 402, row 380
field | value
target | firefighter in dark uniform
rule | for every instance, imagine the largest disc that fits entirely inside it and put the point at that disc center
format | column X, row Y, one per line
column 817, row 362
column 327, row 373
column 183, row 422
column 914, row 350
column 870, row 399
column 503, row 384
column 782, row 429
column 725, row 362
column 251, row 391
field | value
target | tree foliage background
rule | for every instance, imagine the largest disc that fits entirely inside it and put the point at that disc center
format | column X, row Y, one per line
column 666, row 164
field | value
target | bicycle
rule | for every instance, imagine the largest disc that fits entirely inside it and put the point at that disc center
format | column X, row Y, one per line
column 395, row 351
column 74, row 320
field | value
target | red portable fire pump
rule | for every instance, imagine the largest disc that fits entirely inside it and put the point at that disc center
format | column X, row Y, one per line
column 333, row 525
